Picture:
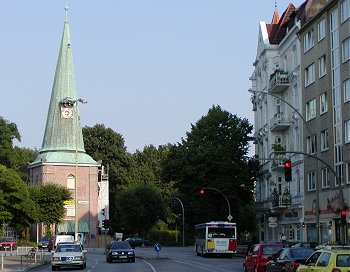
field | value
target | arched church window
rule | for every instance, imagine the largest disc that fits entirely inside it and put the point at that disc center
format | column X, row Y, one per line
column 71, row 182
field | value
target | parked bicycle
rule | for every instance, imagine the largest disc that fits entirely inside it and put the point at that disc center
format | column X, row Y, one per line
column 32, row 252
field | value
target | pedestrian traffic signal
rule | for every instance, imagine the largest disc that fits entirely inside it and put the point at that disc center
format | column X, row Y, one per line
column 287, row 170
column 103, row 211
column 201, row 191
column 343, row 217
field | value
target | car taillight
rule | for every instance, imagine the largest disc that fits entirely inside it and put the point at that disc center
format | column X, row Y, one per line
column 336, row 270
column 232, row 245
column 295, row 266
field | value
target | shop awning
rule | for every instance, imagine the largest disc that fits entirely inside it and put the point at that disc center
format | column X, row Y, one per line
column 68, row 226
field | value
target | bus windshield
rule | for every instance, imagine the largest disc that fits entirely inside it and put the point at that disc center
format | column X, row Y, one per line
column 221, row 232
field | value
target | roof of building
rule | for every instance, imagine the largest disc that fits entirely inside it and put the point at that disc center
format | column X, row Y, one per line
column 63, row 138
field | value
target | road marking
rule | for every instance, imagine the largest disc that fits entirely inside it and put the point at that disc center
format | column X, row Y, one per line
column 153, row 269
column 194, row 265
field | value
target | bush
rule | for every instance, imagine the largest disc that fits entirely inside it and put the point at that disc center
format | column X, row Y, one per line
column 25, row 243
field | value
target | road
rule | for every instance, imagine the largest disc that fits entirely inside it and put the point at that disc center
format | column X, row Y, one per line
column 169, row 260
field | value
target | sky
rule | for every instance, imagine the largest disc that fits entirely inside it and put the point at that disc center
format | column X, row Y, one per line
column 148, row 68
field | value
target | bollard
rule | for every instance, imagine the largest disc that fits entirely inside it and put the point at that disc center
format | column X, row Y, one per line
column 2, row 261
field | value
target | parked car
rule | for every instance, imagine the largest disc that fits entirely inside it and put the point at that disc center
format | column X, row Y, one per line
column 8, row 243
column 46, row 243
column 306, row 244
column 288, row 259
column 258, row 255
column 137, row 241
column 68, row 255
column 120, row 251
column 328, row 259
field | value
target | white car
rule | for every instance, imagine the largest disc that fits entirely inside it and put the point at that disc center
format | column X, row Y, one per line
column 68, row 255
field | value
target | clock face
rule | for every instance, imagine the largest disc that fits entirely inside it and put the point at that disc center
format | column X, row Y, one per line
column 67, row 112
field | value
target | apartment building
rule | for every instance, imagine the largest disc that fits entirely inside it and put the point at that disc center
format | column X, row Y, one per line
column 278, row 122
column 325, row 81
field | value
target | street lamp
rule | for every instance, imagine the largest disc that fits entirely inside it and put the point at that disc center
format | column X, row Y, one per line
column 75, row 102
column 229, row 217
column 183, row 220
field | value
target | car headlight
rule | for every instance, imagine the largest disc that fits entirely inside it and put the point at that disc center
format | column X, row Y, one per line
column 114, row 253
column 130, row 253
column 78, row 257
column 55, row 258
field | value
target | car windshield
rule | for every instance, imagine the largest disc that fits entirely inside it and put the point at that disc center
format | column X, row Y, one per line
column 68, row 248
column 46, row 239
column 120, row 245
column 7, row 239
column 270, row 250
column 302, row 253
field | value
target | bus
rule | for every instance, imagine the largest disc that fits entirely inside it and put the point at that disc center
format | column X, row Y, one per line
column 216, row 238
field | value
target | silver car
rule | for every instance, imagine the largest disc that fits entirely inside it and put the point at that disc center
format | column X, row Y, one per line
column 68, row 255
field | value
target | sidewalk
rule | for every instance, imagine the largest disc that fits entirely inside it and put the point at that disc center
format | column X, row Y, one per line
column 21, row 262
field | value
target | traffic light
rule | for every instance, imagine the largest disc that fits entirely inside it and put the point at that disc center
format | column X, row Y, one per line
column 287, row 170
column 343, row 217
column 103, row 224
column 201, row 192
column 107, row 224
column 103, row 211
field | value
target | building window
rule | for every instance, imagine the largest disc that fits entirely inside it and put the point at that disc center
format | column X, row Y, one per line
column 311, row 109
column 323, row 103
column 346, row 86
column 325, row 178
column 311, row 144
column 322, row 68
column 347, row 166
column 344, row 10
column 347, row 131
column 346, row 49
column 324, row 140
column 309, row 74
column 311, row 181
column 71, row 182
column 321, row 29
column 308, row 40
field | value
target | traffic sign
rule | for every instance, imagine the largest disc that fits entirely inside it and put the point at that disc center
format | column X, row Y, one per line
column 157, row 247
column 69, row 202
column 83, row 202
column 229, row 217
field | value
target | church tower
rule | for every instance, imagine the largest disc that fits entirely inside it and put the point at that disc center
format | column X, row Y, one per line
column 62, row 158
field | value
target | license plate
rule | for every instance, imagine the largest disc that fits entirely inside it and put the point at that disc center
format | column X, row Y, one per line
column 121, row 257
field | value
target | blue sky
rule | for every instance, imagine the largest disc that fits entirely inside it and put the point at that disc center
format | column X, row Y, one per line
column 149, row 68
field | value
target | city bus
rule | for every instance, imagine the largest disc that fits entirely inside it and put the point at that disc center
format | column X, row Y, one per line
column 215, row 238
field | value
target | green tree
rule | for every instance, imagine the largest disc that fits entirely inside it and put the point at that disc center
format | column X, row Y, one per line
column 49, row 198
column 139, row 208
column 16, row 206
column 214, row 154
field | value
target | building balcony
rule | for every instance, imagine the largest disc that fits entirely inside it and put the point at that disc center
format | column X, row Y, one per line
column 281, row 200
column 279, row 122
column 279, row 82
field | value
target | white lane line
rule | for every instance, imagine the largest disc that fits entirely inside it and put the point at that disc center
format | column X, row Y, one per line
column 198, row 266
column 151, row 266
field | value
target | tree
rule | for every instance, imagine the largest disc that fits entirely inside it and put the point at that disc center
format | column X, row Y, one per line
column 139, row 207
column 49, row 198
column 214, row 154
column 16, row 206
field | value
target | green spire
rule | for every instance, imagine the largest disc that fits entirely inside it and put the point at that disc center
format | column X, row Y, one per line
column 63, row 134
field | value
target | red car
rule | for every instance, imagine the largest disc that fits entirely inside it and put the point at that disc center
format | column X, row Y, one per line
column 258, row 255
column 8, row 243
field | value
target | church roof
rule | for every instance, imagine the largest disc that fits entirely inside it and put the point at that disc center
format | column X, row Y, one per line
column 63, row 139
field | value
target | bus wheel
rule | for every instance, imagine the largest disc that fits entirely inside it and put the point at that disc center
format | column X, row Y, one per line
column 197, row 252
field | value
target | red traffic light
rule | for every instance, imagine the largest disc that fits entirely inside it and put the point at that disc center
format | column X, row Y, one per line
column 287, row 164
column 343, row 213
column 201, row 191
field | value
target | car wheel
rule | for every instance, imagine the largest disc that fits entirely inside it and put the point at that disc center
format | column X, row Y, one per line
column 244, row 268
column 133, row 260
column 82, row 267
column 53, row 268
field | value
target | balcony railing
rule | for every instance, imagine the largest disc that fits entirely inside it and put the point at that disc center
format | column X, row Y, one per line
column 279, row 122
column 279, row 82
column 281, row 200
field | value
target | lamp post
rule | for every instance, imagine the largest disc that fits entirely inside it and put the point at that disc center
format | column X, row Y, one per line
column 75, row 103
column 183, row 220
column 229, row 217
